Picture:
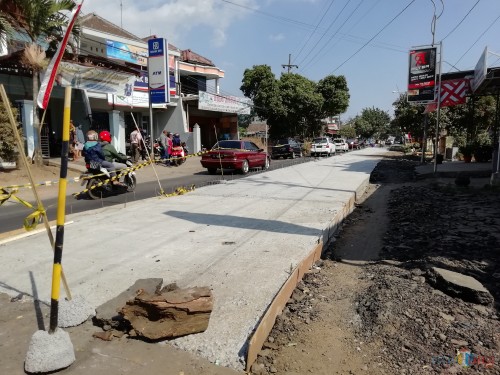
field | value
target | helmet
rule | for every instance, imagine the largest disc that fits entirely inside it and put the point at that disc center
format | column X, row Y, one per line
column 105, row 136
column 92, row 135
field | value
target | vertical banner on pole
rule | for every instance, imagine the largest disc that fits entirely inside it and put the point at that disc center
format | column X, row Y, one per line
column 158, row 72
column 422, row 75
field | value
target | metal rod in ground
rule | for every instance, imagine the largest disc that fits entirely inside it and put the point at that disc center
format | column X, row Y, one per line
column 53, row 350
column 149, row 154
column 40, row 207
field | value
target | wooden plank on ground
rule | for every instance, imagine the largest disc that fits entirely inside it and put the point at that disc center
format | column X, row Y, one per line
column 267, row 322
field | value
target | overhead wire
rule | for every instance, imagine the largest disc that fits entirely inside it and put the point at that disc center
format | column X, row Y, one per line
column 326, row 32
column 477, row 40
column 462, row 20
column 380, row 31
column 315, row 29
column 313, row 59
column 280, row 18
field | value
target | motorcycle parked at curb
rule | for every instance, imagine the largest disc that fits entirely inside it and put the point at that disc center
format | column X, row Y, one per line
column 179, row 154
column 97, row 188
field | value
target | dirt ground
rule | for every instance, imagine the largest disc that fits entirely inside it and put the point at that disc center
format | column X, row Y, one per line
column 367, row 307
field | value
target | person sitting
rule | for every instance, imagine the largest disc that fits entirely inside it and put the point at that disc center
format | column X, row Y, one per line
column 118, row 159
column 94, row 155
column 176, row 140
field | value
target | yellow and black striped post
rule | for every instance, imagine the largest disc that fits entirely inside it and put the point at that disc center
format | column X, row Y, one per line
column 61, row 211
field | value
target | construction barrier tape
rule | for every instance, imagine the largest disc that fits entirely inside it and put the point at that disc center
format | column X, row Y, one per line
column 126, row 170
column 32, row 220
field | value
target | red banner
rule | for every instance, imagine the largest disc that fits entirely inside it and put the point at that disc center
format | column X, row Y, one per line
column 50, row 74
column 453, row 92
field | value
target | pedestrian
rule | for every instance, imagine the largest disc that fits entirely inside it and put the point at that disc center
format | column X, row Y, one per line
column 135, row 144
column 72, row 141
column 80, row 141
column 170, row 144
column 176, row 140
column 164, row 145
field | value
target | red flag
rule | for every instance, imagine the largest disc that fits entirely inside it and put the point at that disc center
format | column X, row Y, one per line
column 50, row 75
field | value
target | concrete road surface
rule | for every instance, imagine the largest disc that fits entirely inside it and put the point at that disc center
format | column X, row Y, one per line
column 241, row 238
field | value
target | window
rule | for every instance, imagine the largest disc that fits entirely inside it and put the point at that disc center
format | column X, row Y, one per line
column 251, row 146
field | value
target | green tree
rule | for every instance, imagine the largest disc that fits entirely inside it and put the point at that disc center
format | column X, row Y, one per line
column 42, row 21
column 303, row 107
column 8, row 148
column 336, row 94
column 293, row 105
column 372, row 122
column 348, row 131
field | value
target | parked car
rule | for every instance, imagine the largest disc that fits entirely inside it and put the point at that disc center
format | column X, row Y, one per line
column 238, row 155
column 353, row 144
column 286, row 148
column 322, row 146
column 341, row 145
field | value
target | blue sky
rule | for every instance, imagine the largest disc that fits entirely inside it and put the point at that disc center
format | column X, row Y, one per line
column 323, row 37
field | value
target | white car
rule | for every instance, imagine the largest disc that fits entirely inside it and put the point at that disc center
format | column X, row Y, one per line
column 322, row 146
column 341, row 144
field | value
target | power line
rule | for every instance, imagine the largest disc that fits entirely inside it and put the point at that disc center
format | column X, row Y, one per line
column 316, row 28
column 329, row 27
column 477, row 40
column 462, row 20
column 382, row 29
column 284, row 19
column 334, row 34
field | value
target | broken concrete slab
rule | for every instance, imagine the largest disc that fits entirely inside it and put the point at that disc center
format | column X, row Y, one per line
column 458, row 285
column 107, row 313
column 170, row 314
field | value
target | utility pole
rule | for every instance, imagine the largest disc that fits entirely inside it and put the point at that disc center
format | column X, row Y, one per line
column 289, row 66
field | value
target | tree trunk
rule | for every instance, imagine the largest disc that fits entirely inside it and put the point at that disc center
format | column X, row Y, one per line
column 37, row 154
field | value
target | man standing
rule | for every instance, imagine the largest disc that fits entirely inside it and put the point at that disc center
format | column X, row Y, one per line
column 164, row 145
column 169, row 146
column 135, row 144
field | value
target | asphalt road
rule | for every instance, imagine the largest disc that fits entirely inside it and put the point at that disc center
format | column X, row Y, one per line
column 12, row 216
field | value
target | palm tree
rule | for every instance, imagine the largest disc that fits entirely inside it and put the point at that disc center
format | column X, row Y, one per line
column 42, row 21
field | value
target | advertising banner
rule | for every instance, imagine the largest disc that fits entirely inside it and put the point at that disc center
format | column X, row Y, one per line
column 220, row 103
column 94, row 78
column 126, row 52
column 158, row 72
column 422, row 74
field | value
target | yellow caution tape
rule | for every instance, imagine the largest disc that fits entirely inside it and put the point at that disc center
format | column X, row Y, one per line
column 32, row 220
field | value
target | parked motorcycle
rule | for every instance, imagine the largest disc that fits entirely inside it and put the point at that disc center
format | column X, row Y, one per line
column 179, row 154
column 94, row 177
column 158, row 149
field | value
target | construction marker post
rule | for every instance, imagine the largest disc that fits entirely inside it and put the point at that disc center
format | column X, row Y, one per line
column 61, row 210
column 40, row 209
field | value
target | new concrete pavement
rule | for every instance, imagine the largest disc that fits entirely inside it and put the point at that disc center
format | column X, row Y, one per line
column 240, row 237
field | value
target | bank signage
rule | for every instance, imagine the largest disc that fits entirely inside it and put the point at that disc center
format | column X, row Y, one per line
column 158, row 72
column 422, row 75
column 221, row 103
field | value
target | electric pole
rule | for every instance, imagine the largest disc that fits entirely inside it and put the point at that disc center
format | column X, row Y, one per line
column 289, row 66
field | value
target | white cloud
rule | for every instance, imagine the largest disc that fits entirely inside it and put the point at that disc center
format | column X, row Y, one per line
column 277, row 37
column 172, row 19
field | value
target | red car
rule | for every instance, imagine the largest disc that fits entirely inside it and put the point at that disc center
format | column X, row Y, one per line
column 238, row 155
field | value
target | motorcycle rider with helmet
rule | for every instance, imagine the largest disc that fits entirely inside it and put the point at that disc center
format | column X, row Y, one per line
column 94, row 154
column 111, row 155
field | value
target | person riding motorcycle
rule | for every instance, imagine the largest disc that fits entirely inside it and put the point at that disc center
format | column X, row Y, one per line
column 94, row 155
column 118, row 159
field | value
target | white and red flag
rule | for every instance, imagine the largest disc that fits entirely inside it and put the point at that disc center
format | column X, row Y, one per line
column 50, row 75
